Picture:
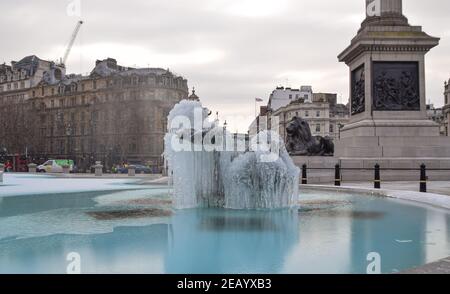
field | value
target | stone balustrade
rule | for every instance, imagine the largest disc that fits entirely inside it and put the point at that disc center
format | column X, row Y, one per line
column 32, row 167
column 132, row 171
column 98, row 167
column 66, row 169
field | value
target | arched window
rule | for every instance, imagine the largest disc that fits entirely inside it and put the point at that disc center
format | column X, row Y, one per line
column 73, row 87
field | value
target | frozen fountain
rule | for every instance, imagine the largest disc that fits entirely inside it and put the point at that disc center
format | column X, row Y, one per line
column 209, row 167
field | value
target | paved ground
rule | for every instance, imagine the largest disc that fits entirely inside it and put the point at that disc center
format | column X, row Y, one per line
column 439, row 267
column 436, row 187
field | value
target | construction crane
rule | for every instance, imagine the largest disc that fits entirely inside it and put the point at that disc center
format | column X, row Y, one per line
column 72, row 41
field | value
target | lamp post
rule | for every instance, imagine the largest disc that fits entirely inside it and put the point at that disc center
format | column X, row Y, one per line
column 340, row 126
column 69, row 131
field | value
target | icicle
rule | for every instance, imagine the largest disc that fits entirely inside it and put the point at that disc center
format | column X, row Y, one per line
column 235, row 180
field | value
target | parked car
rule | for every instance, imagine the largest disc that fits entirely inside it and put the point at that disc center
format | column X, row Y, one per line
column 55, row 166
column 140, row 169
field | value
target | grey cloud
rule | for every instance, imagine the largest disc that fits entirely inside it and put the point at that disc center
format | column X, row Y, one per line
column 307, row 37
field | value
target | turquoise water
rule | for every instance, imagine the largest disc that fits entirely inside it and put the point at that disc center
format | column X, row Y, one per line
column 330, row 233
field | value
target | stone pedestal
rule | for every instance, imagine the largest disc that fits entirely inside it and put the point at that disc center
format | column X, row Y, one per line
column 32, row 168
column 131, row 171
column 387, row 88
column 98, row 167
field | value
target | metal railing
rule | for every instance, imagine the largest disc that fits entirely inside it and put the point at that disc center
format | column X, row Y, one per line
column 422, row 174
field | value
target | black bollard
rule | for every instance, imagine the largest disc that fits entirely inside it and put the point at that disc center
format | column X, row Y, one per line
column 377, row 181
column 423, row 178
column 304, row 175
column 337, row 175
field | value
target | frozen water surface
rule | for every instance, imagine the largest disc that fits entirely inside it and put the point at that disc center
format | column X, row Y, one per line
column 329, row 233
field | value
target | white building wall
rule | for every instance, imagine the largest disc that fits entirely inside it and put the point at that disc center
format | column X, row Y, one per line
column 281, row 97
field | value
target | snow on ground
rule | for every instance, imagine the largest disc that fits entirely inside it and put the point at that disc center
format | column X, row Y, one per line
column 26, row 184
column 436, row 200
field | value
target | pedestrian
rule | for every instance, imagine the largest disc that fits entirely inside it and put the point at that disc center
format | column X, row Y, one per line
column 8, row 167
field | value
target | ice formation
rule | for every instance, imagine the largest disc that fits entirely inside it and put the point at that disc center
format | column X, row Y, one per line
column 223, row 177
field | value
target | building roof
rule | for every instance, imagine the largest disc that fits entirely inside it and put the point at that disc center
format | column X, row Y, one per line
column 108, row 67
column 30, row 64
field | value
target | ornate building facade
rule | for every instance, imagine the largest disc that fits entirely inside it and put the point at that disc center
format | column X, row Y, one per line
column 437, row 115
column 446, row 108
column 322, row 112
column 114, row 115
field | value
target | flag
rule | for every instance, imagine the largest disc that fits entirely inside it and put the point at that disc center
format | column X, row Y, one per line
column 258, row 100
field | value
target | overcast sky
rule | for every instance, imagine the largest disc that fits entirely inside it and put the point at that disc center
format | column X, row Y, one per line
column 231, row 50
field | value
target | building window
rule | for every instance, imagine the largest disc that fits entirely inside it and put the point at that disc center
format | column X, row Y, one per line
column 306, row 113
column 52, row 103
column 132, row 147
column 331, row 128
column 61, row 147
column 318, row 128
column 94, row 84
column 318, row 113
column 290, row 97
column 61, row 102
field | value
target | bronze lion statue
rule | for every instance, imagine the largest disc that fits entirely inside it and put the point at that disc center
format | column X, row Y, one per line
column 300, row 142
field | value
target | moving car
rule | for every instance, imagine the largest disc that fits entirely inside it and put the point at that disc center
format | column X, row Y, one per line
column 140, row 169
column 55, row 166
